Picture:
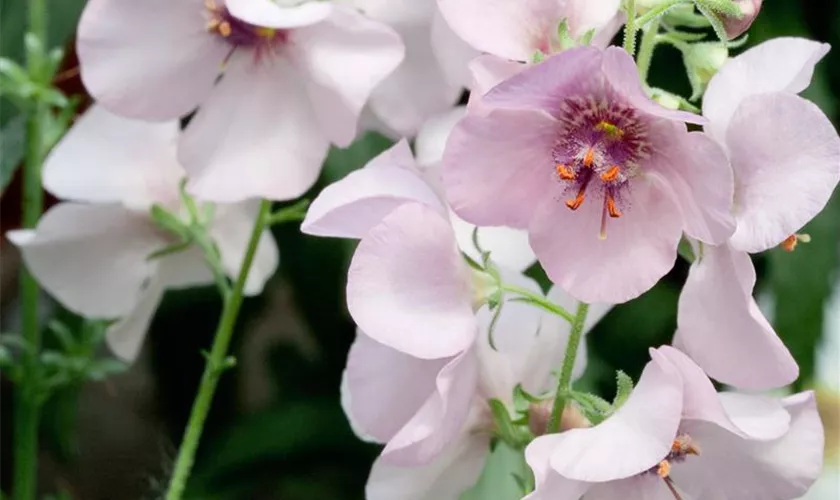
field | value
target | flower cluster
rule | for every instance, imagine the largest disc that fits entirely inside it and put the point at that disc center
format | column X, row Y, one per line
column 563, row 156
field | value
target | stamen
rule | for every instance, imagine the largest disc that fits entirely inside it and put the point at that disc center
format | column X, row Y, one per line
column 613, row 210
column 575, row 203
column 664, row 469
column 791, row 241
column 565, row 172
column 611, row 174
column 213, row 24
column 210, row 5
column 589, row 158
column 684, row 445
column 266, row 32
column 609, row 129
column 224, row 29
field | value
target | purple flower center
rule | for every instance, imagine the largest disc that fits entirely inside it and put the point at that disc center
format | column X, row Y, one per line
column 241, row 34
column 599, row 152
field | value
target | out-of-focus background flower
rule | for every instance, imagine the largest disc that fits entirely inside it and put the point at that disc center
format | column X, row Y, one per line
column 277, row 430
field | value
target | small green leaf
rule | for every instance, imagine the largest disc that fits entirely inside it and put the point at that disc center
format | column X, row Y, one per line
column 103, row 368
column 623, row 390
column 168, row 221
column 12, row 145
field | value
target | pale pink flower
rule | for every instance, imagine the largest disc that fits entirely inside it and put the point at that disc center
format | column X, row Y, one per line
column 294, row 79
column 785, row 155
column 784, row 151
column 92, row 252
column 604, row 179
column 675, row 437
column 350, row 207
column 421, row 370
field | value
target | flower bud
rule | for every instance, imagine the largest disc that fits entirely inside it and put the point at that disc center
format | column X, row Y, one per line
column 736, row 26
column 702, row 62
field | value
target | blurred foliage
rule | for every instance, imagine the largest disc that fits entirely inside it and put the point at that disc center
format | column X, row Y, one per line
column 300, row 446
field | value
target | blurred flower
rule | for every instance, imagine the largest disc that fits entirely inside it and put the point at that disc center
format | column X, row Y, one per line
column 92, row 253
column 675, row 437
column 431, row 78
column 580, row 125
column 294, row 79
column 785, row 155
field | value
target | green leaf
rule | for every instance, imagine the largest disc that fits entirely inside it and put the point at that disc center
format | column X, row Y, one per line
column 101, row 369
column 624, row 387
column 498, row 480
column 505, row 428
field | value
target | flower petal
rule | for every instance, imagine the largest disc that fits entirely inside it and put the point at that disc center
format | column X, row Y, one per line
column 441, row 418
column 272, row 15
column 345, row 58
column 698, row 172
column 720, row 325
column 184, row 269
column 256, row 137
column 513, row 30
column 785, row 169
column 498, row 168
column 350, row 207
column 91, row 258
column 417, row 90
column 779, row 469
column 105, row 158
column 408, row 287
column 640, row 247
column 546, row 85
column 585, row 15
column 746, row 416
column 782, row 64
column 385, row 388
column 231, row 230
column 452, row 52
column 508, row 247
column 488, row 71
column 450, row 474
column 636, row 437
column 125, row 337
column 623, row 76
column 549, row 484
column 153, row 60
column 431, row 139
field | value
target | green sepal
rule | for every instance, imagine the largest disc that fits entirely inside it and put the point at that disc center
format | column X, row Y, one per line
column 624, row 387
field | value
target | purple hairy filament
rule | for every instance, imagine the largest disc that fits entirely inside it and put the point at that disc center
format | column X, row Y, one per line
column 599, row 153
column 238, row 33
column 682, row 447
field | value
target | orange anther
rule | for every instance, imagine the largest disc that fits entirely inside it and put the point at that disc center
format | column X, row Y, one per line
column 577, row 201
column 612, row 209
column 565, row 172
column 611, row 174
column 224, row 28
column 213, row 24
column 664, row 469
column 589, row 157
column 210, row 5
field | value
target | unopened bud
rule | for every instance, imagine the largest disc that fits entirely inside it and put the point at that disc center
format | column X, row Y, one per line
column 540, row 413
column 736, row 26
column 702, row 62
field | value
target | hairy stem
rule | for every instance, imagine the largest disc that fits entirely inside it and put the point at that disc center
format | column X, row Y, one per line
column 28, row 403
column 217, row 363
column 564, row 382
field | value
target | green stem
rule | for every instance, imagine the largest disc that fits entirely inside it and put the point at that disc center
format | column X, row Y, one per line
column 646, row 48
column 657, row 11
column 539, row 300
column 216, row 364
column 28, row 405
column 630, row 27
column 564, row 383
